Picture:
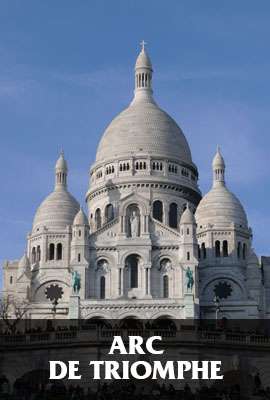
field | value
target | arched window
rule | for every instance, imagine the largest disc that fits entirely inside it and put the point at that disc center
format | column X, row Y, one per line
column 59, row 251
column 102, row 287
column 33, row 255
column 11, row 280
column 109, row 213
column 203, row 251
column 80, row 233
column 165, row 286
column 38, row 253
column 239, row 250
column 199, row 252
column 217, row 248
column 98, row 218
column 173, row 211
column 188, row 255
column 158, row 210
column 132, row 263
column 244, row 251
column 225, row 248
column 79, row 257
column 51, row 251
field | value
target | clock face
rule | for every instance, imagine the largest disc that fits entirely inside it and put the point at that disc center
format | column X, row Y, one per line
column 223, row 290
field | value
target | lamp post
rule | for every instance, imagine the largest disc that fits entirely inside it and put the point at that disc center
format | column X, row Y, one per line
column 217, row 308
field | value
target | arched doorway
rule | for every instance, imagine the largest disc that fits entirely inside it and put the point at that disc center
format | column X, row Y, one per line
column 164, row 322
column 131, row 323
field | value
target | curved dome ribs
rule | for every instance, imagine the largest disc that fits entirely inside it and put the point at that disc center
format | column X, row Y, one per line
column 144, row 142
column 219, row 206
column 60, row 207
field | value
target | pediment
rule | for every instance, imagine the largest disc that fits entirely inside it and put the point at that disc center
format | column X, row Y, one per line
column 107, row 233
column 161, row 233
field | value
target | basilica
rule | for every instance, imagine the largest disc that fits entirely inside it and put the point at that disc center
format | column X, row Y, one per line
column 151, row 245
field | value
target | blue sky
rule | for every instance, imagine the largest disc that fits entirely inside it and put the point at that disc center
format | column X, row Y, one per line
column 67, row 68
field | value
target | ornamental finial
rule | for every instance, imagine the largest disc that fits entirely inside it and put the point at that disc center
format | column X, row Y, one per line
column 143, row 43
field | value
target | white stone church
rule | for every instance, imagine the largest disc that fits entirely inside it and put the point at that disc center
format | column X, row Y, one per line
column 151, row 245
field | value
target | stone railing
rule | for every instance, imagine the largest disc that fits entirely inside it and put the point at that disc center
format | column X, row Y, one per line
column 105, row 334
column 106, row 226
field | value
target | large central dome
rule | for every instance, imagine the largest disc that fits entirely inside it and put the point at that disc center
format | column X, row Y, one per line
column 143, row 127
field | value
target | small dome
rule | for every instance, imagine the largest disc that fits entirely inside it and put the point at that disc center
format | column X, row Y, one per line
column 56, row 211
column 143, row 60
column 61, row 163
column 80, row 218
column 220, row 207
column 187, row 217
column 59, row 208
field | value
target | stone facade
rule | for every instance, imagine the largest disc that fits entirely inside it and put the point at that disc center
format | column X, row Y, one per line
column 150, row 247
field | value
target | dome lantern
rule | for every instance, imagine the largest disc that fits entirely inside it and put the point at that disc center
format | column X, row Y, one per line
column 143, row 75
column 218, row 165
column 61, row 171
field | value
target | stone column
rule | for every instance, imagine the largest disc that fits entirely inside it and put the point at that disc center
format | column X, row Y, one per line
column 147, row 277
column 74, row 307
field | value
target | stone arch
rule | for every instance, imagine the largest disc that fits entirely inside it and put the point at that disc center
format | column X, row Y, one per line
column 99, row 321
column 227, row 277
column 161, row 314
column 130, row 321
column 129, row 252
column 39, row 291
column 109, row 212
column 102, row 278
column 109, row 258
column 164, row 322
column 96, row 315
column 134, row 199
column 159, row 257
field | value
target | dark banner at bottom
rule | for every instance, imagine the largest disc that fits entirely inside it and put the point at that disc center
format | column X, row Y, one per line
column 134, row 359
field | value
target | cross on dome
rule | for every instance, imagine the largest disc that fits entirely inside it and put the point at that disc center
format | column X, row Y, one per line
column 143, row 43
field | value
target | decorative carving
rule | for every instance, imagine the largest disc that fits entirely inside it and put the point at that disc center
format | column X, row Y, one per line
column 166, row 265
column 223, row 290
column 103, row 266
column 189, row 279
column 54, row 293
column 76, row 282
column 134, row 225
